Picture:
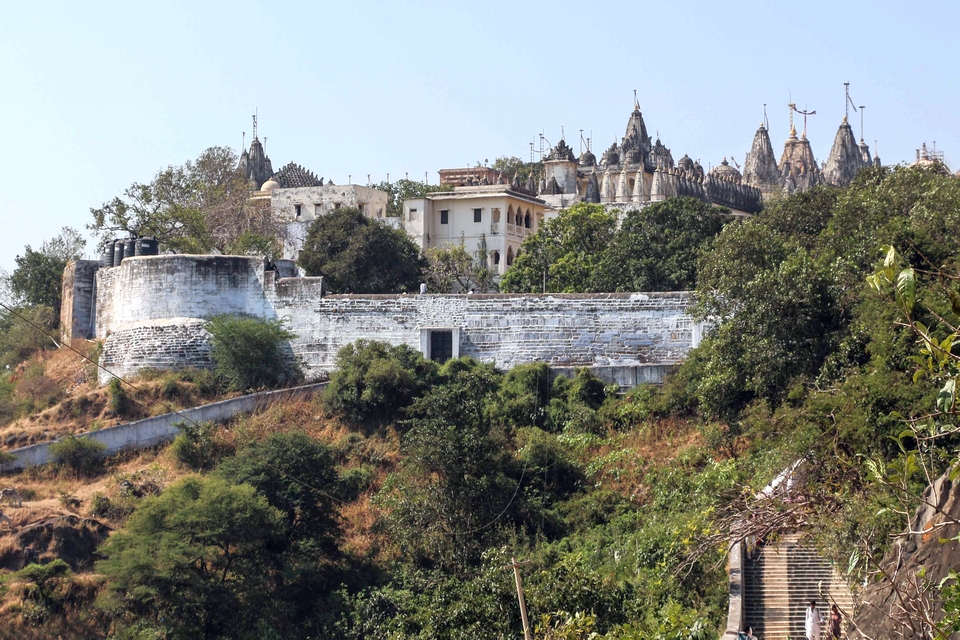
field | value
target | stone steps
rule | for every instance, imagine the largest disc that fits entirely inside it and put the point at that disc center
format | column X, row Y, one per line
column 779, row 583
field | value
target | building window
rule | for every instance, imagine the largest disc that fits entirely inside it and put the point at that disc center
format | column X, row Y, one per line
column 360, row 207
column 297, row 209
column 412, row 215
column 336, row 205
column 444, row 216
column 478, row 215
column 496, row 258
column 509, row 256
column 526, row 220
column 317, row 209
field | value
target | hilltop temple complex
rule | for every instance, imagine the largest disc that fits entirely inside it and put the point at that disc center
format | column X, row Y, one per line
column 639, row 170
column 631, row 173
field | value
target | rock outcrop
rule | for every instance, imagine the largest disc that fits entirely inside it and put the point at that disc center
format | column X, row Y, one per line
column 71, row 538
column 934, row 550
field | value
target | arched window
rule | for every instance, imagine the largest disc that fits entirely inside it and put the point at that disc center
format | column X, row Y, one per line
column 510, row 214
column 496, row 257
column 519, row 218
column 526, row 219
column 496, row 215
column 509, row 256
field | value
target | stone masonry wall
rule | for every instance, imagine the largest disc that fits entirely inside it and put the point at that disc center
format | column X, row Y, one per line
column 77, row 306
column 177, row 343
column 150, row 311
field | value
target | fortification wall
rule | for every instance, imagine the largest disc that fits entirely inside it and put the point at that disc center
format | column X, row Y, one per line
column 147, row 288
column 150, row 311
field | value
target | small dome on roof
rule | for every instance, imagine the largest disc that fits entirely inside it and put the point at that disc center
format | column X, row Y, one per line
column 610, row 156
column 587, row 159
column 269, row 186
column 726, row 172
column 686, row 163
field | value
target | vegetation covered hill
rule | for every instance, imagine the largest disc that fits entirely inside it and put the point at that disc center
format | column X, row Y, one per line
column 392, row 506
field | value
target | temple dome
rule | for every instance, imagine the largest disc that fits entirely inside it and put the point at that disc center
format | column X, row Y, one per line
column 610, row 156
column 588, row 159
column 269, row 186
column 727, row 172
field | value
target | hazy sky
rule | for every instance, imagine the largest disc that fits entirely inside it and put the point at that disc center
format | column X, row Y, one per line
column 99, row 95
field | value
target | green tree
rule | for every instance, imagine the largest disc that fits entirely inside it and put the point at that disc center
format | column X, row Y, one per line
column 452, row 268
column 200, row 206
column 565, row 253
column 656, row 248
column 197, row 560
column 375, row 381
column 38, row 277
column 355, row 254
column 44, row 580
column 20, row 339
column 298, row 476
column 80, row 454
column 511, row 167
column 401, row 190
column 456, row 489
column 252, row 353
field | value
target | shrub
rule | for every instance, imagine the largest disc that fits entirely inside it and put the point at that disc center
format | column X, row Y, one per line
column 38, row 392
column 524, row 397
column 119, row 400
column 195, row 447
column 80, row 454
column 251, row 353
column 44, row 580
column 375, row 380
column 354, row 482
column 19, row 340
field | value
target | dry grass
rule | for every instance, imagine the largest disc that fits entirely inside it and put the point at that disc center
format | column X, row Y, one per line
column 81, row 405
column 627, row 457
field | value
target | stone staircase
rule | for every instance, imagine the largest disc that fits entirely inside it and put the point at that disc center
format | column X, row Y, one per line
column 779, row 583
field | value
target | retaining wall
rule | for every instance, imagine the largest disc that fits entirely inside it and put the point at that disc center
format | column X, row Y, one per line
column 153, row 431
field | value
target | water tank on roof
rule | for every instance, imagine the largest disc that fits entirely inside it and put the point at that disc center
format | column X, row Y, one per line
column 129, row 247
column 147, row 246
column 117, row 252
column 106, row 258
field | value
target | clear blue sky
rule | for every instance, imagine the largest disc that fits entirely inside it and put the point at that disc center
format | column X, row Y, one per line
column 99, row 95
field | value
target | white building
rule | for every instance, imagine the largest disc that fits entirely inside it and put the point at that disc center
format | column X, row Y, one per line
column 298, row 197
column 491, row 219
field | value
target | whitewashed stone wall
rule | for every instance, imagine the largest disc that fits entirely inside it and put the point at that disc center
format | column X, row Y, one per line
column 150, row 311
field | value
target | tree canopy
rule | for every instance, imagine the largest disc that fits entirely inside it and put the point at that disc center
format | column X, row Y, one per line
column 198, row 207
column 197, row 559
column 587, row 249
column 453, row 269
column 355, row 254
column 38, row 277
column 401, row 190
